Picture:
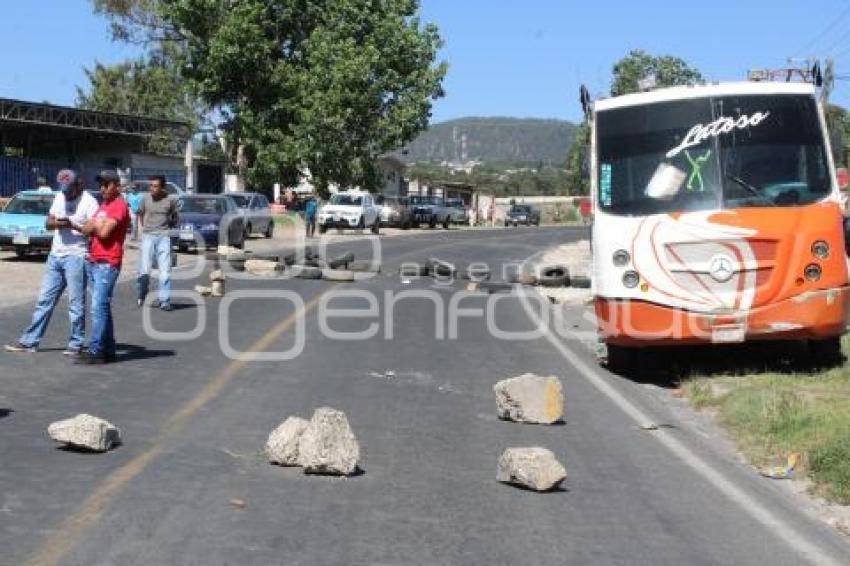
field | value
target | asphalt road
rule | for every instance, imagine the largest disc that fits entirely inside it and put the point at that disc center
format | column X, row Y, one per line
column 195, row 422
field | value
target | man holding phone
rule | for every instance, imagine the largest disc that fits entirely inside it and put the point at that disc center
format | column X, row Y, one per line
column 66, row 266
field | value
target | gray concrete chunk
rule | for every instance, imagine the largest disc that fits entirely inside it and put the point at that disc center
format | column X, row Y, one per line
column 282, row 444
column 530, row 398
column 534, row 468
column 328, row 445
column 85, row 431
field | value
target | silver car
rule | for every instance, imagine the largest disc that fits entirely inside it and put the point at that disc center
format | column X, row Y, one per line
column 254, row 207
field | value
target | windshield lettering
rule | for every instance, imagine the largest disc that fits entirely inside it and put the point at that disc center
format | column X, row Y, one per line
column 723, row 125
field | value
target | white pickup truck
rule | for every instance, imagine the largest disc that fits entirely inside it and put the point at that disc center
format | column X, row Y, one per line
column 350, row 209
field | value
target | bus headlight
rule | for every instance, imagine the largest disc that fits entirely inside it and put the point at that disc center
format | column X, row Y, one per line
column 621, row 258
column 812, row 272
column 820, row 249
column 631, row 279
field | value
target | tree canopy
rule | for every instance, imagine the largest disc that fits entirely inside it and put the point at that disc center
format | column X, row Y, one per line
column 325, row 84
column 638, row 64
column 148, row 86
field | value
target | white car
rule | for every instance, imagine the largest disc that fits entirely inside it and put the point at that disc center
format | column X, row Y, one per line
column 350, row 209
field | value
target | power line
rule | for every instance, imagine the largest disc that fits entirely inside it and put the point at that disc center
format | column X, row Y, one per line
column 828, row 29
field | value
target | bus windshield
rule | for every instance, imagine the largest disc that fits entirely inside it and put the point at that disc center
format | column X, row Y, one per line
column 710, row 153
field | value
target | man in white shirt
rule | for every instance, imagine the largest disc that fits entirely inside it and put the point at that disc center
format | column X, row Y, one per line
column 66, row 266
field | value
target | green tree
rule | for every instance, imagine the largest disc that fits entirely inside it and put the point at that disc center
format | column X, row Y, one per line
column 577, row 178
column 324, row 84
column 638, row 64
column 149, row 86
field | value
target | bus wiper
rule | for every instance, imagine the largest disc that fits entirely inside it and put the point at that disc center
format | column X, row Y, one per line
column 750, row 188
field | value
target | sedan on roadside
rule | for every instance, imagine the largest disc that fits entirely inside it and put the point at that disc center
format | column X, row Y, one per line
column 23, row 223
column 395, row 211
column 522, row 214
column 257, row 212
column 208, row 221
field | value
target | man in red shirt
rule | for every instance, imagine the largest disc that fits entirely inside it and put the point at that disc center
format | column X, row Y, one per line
column 107, row 229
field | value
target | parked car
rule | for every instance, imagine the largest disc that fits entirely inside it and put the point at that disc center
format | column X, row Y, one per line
column 430, row 211
column 350, row 209
column 22, row 223
column 457, row 211
column 257, row 212
column 143, row 185
column 522, row 214
column 395, row 211
column 203, row 218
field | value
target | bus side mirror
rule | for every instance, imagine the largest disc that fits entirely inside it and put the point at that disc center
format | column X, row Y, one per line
column 842, row 177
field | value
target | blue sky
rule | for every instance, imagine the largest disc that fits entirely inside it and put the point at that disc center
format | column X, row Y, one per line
column 507, row 57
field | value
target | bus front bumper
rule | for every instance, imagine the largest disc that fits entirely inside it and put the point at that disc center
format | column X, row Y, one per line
column 813, row 314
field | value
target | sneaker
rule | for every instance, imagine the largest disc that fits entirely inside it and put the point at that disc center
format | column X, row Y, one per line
column 73, row 352
column 19, row 348
column 166, row 307
column 140, row 302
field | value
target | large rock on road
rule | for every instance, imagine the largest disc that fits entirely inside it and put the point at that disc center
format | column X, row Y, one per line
column 85, row 432
column 530, row 398
column 328, row 445
column 534, row 468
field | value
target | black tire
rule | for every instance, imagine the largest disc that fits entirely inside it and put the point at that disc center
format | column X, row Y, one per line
column 433, row 223
column 826, row 352
column 507, row 224
column 446, row 223
column 248, row 230
column 406, row 225
column 495, row 287
column 341, row 262
column 414, row 270
column 269, row 233
column 306, row 272
column 20, row 252
column 553, row 276
column 376, row 227
column 580, row 281
column 363, row 266
column 475, row 275
column 361, row 224
column 323, row 228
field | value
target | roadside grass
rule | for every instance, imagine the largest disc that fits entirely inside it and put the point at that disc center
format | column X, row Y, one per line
column 770, row 415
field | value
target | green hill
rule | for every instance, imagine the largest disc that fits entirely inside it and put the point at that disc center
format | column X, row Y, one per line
column 494, row 140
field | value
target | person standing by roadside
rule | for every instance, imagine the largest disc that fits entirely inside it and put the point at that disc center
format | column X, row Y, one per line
column 310, row 216
column 66, row 266
column 157, row 216
column 107, row 229
column 134, row 199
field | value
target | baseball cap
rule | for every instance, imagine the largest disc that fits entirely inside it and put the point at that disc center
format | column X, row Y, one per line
column 66, row 178
column 108, row 176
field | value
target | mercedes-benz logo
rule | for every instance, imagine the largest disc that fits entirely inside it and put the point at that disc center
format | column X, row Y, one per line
column 721, row 268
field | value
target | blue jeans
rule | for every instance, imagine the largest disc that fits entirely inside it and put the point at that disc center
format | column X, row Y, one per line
column 60, row 272
column 102, row 278
column 159, row 246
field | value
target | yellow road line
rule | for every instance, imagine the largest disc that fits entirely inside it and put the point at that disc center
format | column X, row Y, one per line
column 67, row 535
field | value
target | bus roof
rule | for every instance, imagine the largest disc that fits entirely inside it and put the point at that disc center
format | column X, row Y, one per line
column 720, row 89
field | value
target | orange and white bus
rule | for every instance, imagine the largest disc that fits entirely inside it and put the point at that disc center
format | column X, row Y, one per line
column 717, row 219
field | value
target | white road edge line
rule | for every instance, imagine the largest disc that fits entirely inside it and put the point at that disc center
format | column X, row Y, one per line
column 780, row 528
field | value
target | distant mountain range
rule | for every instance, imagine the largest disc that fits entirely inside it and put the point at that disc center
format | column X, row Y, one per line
column 494, row 140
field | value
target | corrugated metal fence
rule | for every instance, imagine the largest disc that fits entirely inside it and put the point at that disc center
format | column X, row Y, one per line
column 17, row 174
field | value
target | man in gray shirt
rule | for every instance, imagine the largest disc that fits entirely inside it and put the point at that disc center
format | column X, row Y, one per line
column 157, row 216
